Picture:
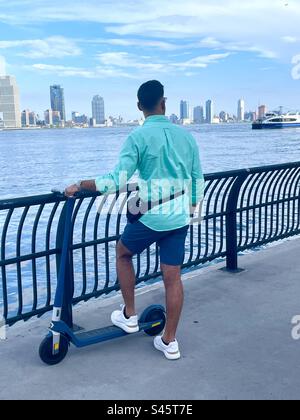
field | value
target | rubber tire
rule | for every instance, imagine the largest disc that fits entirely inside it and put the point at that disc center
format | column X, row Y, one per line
column 152, row 314
column 46, row 347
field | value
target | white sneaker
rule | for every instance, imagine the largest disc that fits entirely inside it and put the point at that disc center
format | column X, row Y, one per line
column 171, row 351
column 130, row 325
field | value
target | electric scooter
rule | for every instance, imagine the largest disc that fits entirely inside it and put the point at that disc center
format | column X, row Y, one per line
column 55, row 346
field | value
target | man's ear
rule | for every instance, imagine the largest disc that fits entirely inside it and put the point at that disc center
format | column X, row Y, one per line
column 140, row 107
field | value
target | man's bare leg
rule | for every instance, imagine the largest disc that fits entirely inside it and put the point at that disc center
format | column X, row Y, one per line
column 126, row 275
column 174, row 299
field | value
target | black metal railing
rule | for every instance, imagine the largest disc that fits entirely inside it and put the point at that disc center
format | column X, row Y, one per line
column 243, row 209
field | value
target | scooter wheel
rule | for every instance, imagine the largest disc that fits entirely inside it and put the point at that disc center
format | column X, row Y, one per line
column 154, row 314
column 46, row 350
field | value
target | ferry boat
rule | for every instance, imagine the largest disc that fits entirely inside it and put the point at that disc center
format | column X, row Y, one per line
column 289, row 120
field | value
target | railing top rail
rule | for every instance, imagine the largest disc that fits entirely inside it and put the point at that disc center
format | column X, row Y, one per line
column 36, row 200
column 252, row 170
column 8, row 203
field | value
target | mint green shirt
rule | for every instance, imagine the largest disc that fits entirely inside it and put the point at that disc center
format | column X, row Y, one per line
column 167, row 160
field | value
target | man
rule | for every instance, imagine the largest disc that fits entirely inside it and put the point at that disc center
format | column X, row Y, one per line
column 164, row 154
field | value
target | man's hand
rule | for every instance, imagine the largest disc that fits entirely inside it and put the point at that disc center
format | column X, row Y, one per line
column 81, row 186
column 72, row 190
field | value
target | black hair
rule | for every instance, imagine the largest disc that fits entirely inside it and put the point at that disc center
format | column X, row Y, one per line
column 149, row 94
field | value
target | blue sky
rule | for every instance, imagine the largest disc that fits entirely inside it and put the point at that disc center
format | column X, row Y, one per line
column 223, row 50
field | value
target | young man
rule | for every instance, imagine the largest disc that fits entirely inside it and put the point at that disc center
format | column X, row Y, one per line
column 164, row 154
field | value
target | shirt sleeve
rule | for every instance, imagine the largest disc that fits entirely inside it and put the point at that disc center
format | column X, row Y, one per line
column 198, row 183
column 120, row 176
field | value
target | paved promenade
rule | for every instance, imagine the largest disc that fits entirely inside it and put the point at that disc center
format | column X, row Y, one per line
column 235, row 338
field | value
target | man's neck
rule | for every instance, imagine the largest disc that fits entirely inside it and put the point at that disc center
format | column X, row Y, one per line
column 154, row 114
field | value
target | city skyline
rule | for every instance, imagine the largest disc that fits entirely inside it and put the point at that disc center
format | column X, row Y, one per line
column 66, row 110
column 90, row 47
column 186, row 110
column 56, row 114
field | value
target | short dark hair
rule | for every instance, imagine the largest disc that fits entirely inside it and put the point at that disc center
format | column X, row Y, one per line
column 150, row 93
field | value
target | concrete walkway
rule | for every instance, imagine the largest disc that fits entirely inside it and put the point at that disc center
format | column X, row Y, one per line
column 235, row 337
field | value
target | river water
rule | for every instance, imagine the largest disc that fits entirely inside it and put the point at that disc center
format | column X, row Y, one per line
column 32, row 162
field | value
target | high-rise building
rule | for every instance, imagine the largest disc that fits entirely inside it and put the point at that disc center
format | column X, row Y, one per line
column 49, row 117
column 92, row 122
column 198, row 115
column 224, row 117
column 174, row 119
column 77, row 118
column 25, row 118
column 241, row 110
column 250, row 116
column 57, row 97
column 262, row 111
column 56, row 118
column 209, row 112
column 10, row 102
column 32, row 119
column 28, row 118
column 98, row 110
column 184, row 110
column 75, row 115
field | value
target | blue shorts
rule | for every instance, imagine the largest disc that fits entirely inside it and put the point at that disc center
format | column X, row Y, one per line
column 137, row 237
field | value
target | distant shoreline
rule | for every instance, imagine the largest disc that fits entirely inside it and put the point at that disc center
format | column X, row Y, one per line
column 116, row 126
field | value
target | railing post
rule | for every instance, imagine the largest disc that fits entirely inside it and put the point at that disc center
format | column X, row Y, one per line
column 231, row 224
column 67, row 312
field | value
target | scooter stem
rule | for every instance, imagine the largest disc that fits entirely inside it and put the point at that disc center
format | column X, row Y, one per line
column 59, row 296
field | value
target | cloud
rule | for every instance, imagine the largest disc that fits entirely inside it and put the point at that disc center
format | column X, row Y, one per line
column 2, row 66
column 69, row 71
column 130, row 66
column 147, row 34
column 201, row 61
column 126, row 60
column 143, row 66
column 290, row 39
column 51, row 47
column 205, row 43
column 140, row 43
column 259, row 26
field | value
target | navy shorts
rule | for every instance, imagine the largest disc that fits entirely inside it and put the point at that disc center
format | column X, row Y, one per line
column 137, row 237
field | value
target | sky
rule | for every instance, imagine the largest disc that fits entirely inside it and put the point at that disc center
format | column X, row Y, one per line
column 199, row 49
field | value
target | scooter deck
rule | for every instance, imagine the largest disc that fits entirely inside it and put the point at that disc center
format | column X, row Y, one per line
column 101, row 335
column 87, row 338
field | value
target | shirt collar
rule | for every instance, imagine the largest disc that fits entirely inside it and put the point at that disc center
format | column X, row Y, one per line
column 156, row 118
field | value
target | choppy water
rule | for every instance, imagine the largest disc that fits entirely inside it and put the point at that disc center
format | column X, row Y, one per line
column 32, row 162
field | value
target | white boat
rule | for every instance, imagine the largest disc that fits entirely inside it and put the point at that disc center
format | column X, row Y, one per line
column 289, row 120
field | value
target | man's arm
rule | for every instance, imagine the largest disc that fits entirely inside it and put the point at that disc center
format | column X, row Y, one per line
column 116, row 180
